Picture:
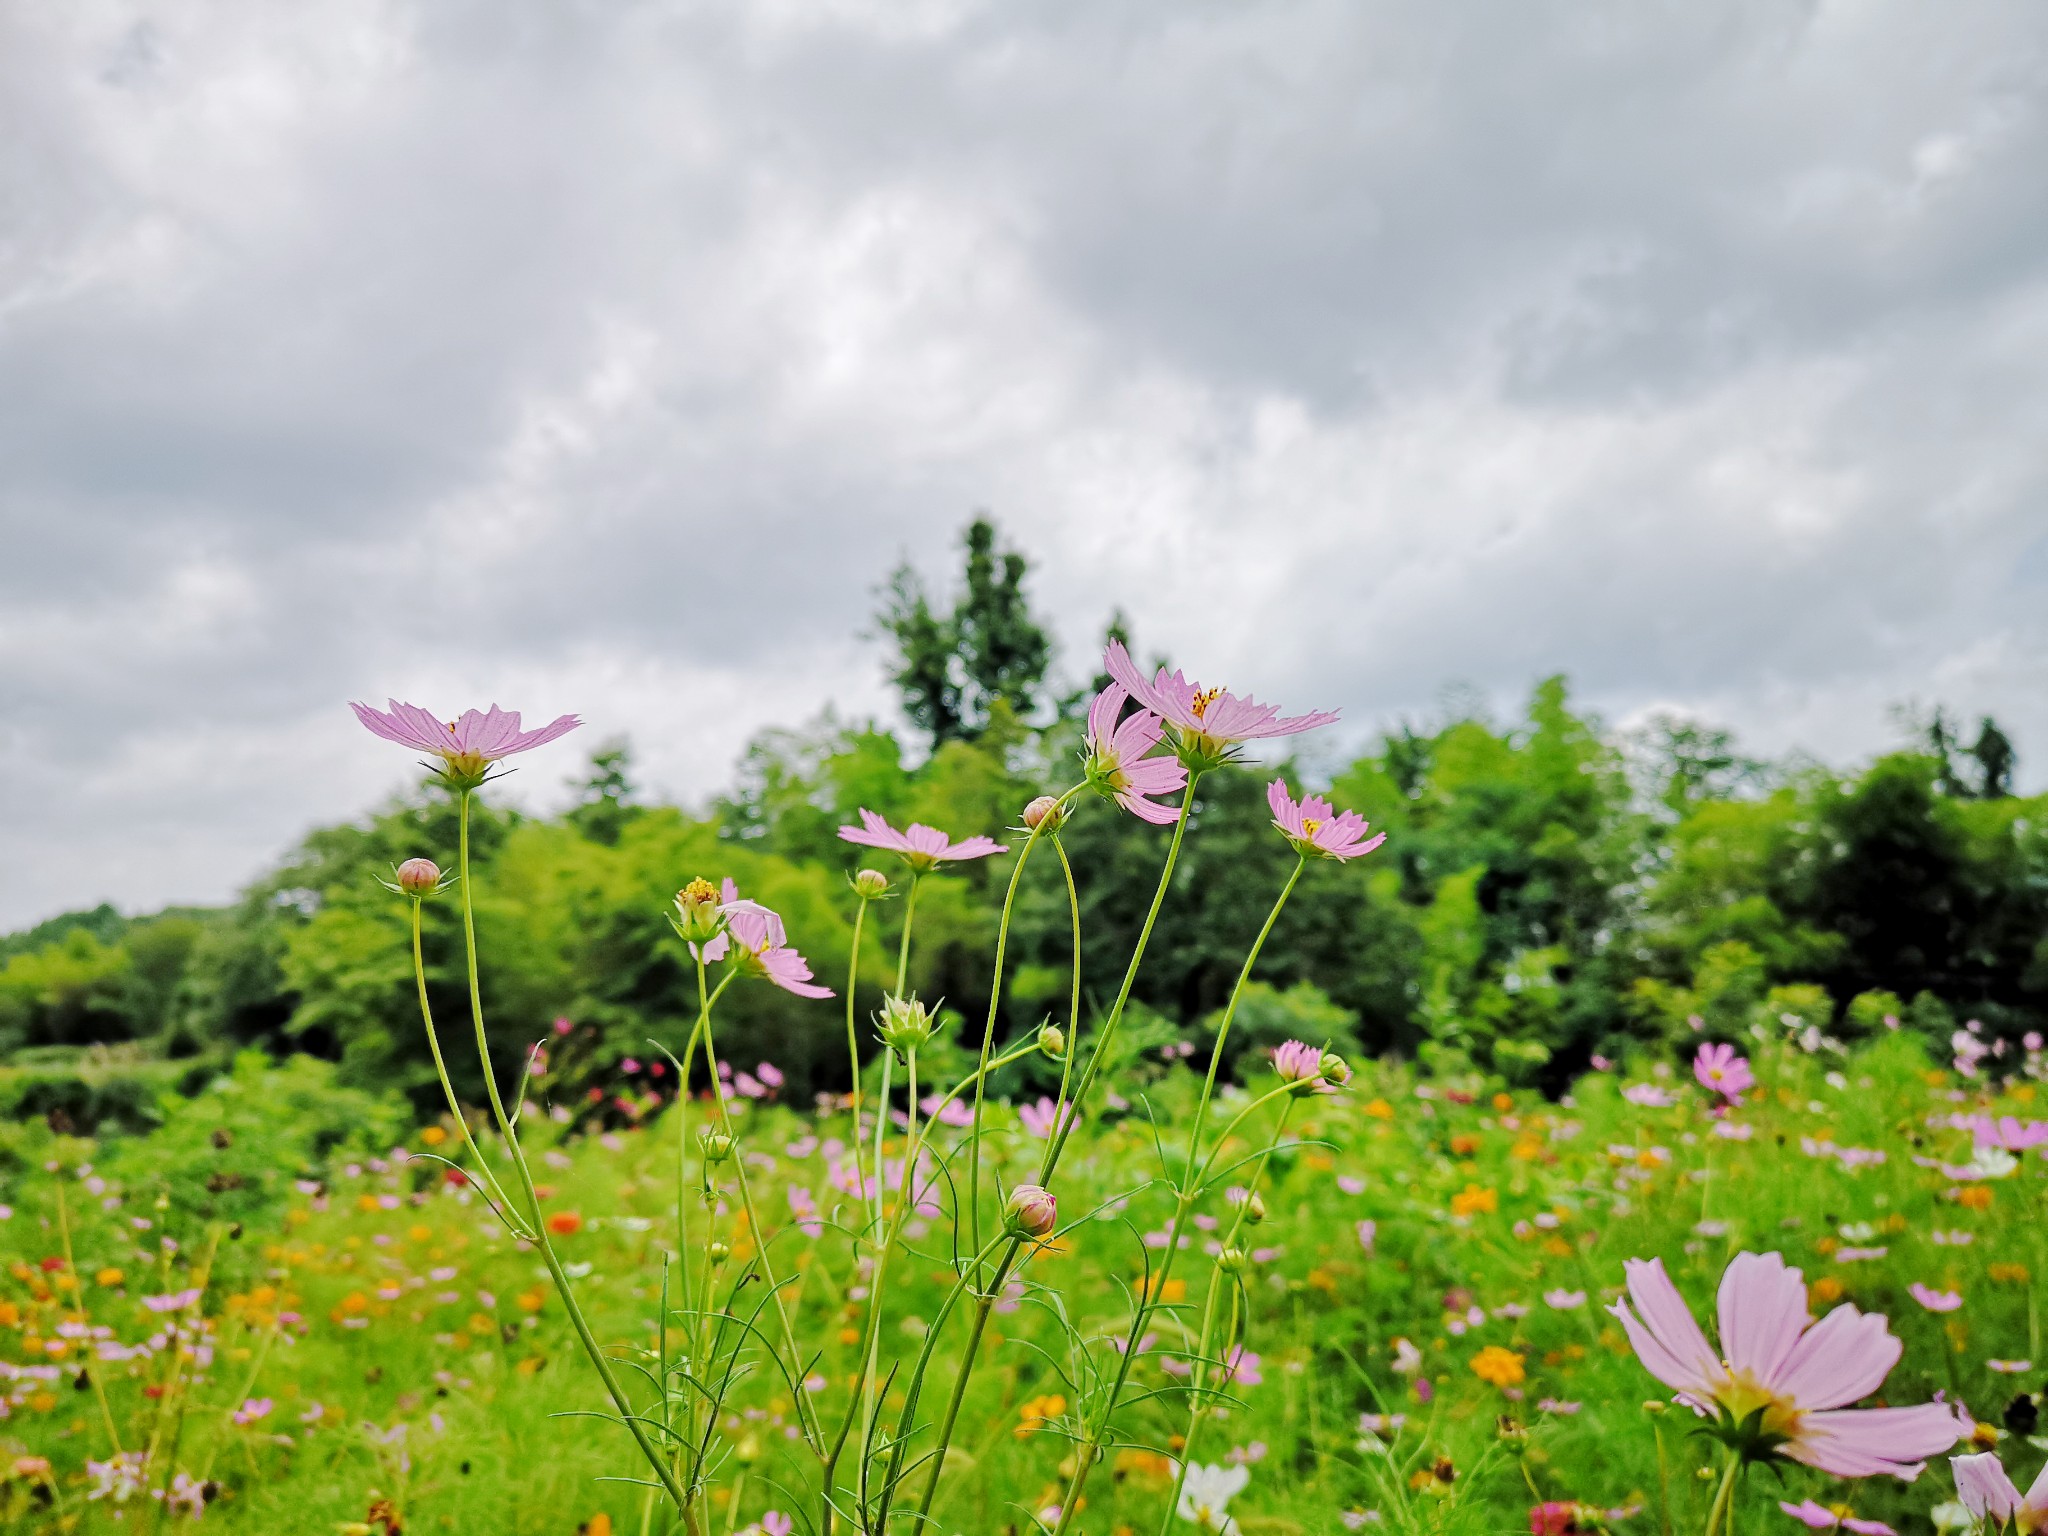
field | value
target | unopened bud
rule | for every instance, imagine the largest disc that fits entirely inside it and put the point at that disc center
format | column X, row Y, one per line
column 1053, row 1041
column 719, row 1253
column 904, row 1024
column 1232, row 1261
column 419, row 877
column 870, row 884
column 1032, row 1211
column 1254, row 1208
column 748, row 1450
column 698, row 918
column 717, row 1145
column 1336, row 1071
column 1044, row 814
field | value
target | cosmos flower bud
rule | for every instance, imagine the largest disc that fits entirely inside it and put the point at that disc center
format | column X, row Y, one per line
column 904, row 1024
column 419, row 877
column 719, row 1253
column 1044, row 814
column 1254, row 1208
column 1335, row 1072
column 698, row 916
column 1232, row 1261
column 717, row 1144
column 1032, row 1211
column 870, row 884
column 1053, row 1041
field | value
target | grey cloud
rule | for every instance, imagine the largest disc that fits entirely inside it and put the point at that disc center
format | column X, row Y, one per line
column 605, row 359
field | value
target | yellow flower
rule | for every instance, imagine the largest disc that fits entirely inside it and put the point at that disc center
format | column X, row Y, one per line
column 1502, row 1367
column 108, row 1277
column 1040, row 1410
column 433, row 1136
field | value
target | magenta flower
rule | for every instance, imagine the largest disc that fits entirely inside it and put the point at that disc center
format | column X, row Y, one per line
column 1117, row 764
column 1933, row 1300
column 919, row 846
column 1988, row 1493
column 1821, row 1518
column 755, row 940
column 1206, row 724
column 1721, row 1071
column 1780, row 1384
column 1045, row 1117
column 467, row 747
column 1312, row 829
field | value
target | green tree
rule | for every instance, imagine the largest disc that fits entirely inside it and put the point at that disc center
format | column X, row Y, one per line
column 954, row 667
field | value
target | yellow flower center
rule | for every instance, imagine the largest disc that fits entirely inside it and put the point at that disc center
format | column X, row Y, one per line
column 1309, row 825
column 1203, row 700
column 1741, row 1395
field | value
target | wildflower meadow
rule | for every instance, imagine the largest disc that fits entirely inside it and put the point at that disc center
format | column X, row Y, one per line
column 1064, row 1267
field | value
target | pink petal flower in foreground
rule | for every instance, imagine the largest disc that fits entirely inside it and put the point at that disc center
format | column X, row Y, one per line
column 755, row 940
column 1780, row 1384
column 468, row 746
column 1206, row 724
column 1117, row 765
column 1822, row 1518
column 1988, row 1493
column 919, row 846
column 1314, row 830
column 1720, row 1070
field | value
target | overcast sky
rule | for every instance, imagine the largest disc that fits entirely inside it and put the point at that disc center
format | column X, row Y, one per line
column 604, row 357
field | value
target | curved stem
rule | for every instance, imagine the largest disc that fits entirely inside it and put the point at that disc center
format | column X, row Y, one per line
column 1724, row 1497
column 860, row 914
column 493, row 1191
column 739, row 1164
column 548, row 1255
column 1147, row 1304
column 1197, row 1408
column 1057, row 1142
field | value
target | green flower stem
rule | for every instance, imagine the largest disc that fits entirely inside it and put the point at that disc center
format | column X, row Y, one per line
column 878, row 1286
column 1056, row 1144
column 1183, row 1207
column 493, row 1191
column 1720, row 1516
column 540, row 1235
column 1198, row 1409
column 995, row 993
column 852, row 1039
column 909, row 912
column 915, row 1388
column 739, row 1163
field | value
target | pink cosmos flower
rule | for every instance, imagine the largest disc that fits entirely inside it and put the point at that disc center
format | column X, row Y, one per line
column 1207, row 724
column 2008, row 1133
column 1117, row 764
column 1044, row 1117
column 1721, row 1071
column 762, row 945
column 1933, row 1300
column 1821, row 1518
column 1648, row 1095
column 1301, row 1064
column 468, row 746
column 1988, row 1493
column 919, row 846
column 1781, row 1383
column 1314, row 831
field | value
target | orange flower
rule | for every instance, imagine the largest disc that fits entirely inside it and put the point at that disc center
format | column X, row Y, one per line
column 1040, row 1410
column 565, row 1223
column 1471, row 1200
column 433, row 1136
column 1380, row 1109
column 1502, row 1367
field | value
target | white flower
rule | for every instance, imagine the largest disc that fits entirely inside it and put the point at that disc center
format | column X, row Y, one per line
column 1205, row 1491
